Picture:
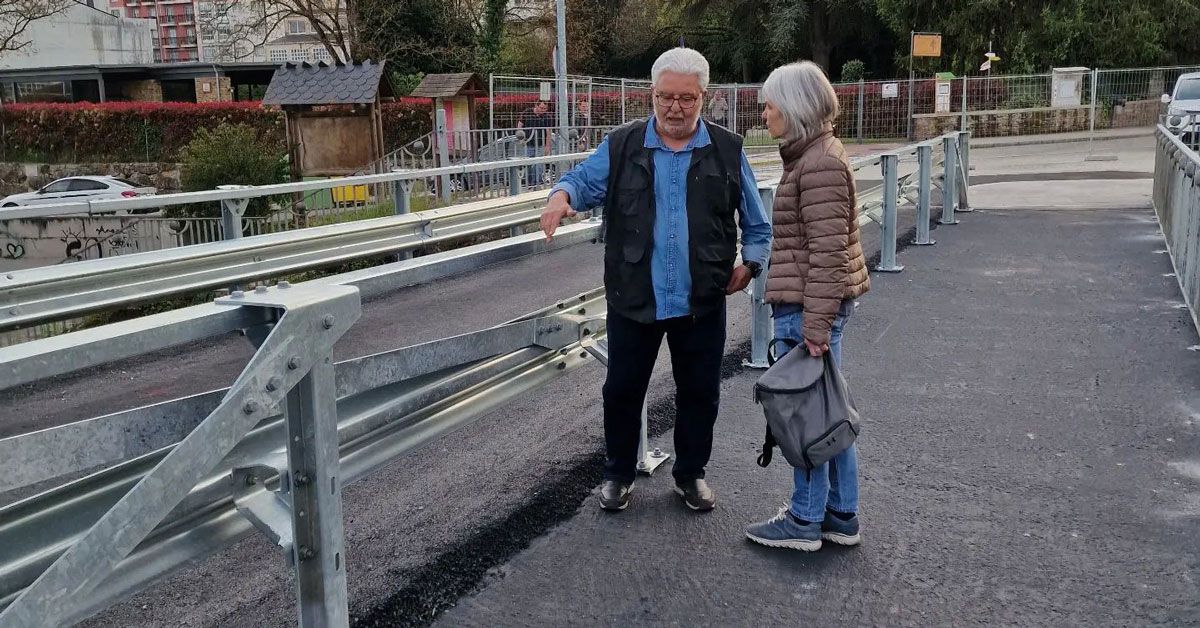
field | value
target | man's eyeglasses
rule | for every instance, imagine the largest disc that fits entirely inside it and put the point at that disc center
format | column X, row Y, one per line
column 686, row 101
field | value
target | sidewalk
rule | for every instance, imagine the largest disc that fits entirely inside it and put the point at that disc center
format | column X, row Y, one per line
column 1029, row 457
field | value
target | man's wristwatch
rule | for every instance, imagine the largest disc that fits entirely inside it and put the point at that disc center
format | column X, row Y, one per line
column 755, row 268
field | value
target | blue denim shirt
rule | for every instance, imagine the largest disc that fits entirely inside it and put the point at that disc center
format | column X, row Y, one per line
column 670, row 268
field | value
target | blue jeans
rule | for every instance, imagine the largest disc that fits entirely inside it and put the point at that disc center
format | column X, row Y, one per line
column 833, row 485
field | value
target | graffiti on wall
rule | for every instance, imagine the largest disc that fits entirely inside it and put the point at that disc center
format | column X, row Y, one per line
column 12, row 246
column 103, row 241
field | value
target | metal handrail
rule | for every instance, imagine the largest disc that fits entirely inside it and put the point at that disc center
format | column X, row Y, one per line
column 63, row 291
column 1177, row 207
column 279, row 189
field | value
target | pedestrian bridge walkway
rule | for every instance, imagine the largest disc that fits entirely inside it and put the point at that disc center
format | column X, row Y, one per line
column 1030, row 388
column 1029, row 456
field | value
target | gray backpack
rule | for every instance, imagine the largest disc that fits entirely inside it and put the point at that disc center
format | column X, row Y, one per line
column 810, row 414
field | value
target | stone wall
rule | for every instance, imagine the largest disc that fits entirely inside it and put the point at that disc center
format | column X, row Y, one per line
column 207, row 90
column 22, row 177
column 143, row 91
column 1003, row 123
column 1136, row 113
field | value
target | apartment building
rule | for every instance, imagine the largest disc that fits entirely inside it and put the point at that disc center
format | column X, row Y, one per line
column 225, row 31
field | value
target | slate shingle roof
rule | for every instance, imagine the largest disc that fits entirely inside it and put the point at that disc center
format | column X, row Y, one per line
column 324, row 84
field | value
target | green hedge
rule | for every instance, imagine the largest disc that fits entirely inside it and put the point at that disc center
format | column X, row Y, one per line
column 157, row 132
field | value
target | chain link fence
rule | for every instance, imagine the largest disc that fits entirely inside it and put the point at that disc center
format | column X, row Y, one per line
column 1066, row 100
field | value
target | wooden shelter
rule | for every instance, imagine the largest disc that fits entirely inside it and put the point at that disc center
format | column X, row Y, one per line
column 333, row 117
column 456, row 95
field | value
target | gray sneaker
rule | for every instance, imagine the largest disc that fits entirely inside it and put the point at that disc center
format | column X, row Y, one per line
column 782, row 530
column 840, row 531
column 615, row 496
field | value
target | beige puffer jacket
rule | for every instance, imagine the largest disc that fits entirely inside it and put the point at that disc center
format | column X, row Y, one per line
column 816, row 257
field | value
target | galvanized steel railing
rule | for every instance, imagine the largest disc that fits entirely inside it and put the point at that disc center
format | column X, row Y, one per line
column 1177, row 204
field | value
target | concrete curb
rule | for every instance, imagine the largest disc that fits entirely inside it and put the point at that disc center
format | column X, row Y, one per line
column 1004, row 142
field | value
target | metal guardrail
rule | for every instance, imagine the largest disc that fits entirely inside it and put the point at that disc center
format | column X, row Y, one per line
column 881, row 204
column 1177, row 204
column 175, row 481
column 244, row 193
column 57, row 292
column 272, row 452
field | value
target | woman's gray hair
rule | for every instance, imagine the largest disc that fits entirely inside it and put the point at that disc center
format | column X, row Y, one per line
column 681, row 61
column 804, row 96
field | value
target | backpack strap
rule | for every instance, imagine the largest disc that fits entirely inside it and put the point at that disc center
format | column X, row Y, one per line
column 788, row 342
column 769, row 444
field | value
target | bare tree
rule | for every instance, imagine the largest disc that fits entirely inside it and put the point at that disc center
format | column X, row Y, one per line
column 17, row 15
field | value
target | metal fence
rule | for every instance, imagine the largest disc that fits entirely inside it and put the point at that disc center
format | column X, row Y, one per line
column 1177, row 204
column 273, row 452
column 987, row 106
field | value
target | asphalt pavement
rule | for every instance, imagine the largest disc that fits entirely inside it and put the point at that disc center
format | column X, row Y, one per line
column 1032, row 419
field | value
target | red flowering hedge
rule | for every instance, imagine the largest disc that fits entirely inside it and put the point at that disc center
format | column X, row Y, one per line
column 157, row 132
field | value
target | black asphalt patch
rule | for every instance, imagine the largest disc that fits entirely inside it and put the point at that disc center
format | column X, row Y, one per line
column 459, row 570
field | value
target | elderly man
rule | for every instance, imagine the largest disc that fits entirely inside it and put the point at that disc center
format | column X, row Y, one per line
column 670, row 187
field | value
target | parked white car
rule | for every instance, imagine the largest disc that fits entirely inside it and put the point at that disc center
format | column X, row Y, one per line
column 1183, row 107
column 76, row 189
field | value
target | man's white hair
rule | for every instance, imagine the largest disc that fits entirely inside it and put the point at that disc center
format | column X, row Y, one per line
column 681, row 61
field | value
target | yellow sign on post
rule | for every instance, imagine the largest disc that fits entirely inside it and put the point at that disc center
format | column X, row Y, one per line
column 926, row 45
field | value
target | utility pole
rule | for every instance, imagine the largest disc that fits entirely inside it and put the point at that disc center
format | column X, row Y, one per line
column 560, row 69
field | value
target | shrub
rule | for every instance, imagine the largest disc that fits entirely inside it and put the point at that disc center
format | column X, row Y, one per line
column 231, row 154
column 853, row 70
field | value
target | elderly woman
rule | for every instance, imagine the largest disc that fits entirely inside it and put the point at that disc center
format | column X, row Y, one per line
column 816, row 272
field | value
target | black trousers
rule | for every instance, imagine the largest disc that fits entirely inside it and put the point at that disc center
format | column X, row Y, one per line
column 697, row 345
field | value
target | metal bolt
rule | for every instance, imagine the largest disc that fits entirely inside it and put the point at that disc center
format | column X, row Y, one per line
column 8, row 276
column 327, row 322
column 301, row 479
column 273, row 384
column 237, row 294
column 14, row 311
column 283, row 285
column 306, row 552
column 251, row 480
column 251, row 407
column 562, row 365
column 658, row 452
column 293, row 363
column 261, row 289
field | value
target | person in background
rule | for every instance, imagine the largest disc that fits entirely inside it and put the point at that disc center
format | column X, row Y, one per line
column 718, row 111
column 582, row 124
column 537, row 124
column 817, row 270
column 674, row 190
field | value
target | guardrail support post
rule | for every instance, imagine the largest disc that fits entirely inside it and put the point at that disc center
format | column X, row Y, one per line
column 648, row 459
column 890, row 164
column 924, row 193
column 402, row 197
column 442, row 149
column 318, row 551
column 950, row 176
column 760, row 312
column 964, row 166
column 232, row 211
